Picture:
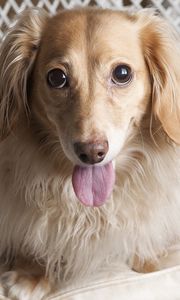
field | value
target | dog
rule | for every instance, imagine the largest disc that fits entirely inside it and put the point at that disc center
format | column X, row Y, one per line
column 89, row 128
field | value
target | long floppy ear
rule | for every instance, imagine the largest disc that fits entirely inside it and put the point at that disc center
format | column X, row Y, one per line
column 161, row 47
column 17, row 54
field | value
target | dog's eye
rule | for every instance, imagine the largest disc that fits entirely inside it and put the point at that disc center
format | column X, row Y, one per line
column 56, row 78
column 122, row 75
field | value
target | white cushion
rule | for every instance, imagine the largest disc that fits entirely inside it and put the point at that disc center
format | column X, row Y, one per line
column 162, row 285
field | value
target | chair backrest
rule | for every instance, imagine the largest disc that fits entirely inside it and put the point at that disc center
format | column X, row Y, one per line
column 9, row 8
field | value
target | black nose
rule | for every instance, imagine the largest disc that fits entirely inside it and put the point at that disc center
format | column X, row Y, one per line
column 91, row 153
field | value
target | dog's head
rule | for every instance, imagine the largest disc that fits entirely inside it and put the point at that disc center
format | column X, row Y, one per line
column 86, row 78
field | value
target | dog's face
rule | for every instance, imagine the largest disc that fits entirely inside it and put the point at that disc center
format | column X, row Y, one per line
column 87, row 77
column 91, row 82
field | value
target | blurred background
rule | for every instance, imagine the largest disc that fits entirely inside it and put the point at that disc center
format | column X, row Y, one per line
column 170, row 9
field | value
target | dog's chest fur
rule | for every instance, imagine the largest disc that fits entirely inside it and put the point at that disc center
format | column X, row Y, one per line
column 47, row 221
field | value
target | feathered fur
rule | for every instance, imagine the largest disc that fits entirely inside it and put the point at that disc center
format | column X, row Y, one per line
column 40, row 217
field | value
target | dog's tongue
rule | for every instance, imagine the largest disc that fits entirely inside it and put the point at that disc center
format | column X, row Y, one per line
column 92, row 184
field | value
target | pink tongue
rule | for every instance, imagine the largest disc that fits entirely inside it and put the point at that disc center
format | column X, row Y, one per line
column 93, row 185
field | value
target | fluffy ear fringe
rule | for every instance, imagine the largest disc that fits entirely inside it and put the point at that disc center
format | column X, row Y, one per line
column 17, row 54
column 161, row 47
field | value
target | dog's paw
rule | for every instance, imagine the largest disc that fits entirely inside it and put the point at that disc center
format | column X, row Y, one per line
column 22, row 286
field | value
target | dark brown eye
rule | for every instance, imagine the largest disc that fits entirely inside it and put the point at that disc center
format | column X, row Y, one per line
column 122, row 75
column 57, row 79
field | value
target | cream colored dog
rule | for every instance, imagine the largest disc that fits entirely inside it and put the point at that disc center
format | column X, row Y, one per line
column 89, row 163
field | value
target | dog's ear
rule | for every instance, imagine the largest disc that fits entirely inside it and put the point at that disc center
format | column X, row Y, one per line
column 161, row 47
column 17, row 54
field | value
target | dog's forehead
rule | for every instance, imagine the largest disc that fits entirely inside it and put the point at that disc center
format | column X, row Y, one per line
column 96, row 32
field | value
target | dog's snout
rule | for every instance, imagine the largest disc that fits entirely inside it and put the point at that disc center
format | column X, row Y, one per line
column 92, row 152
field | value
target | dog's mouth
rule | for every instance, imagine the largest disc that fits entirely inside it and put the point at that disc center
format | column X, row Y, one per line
column 93, row 184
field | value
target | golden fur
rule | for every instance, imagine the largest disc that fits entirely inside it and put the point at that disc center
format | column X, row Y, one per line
column 40, row 217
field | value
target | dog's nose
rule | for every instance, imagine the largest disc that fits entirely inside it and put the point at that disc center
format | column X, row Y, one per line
column 91, row 153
